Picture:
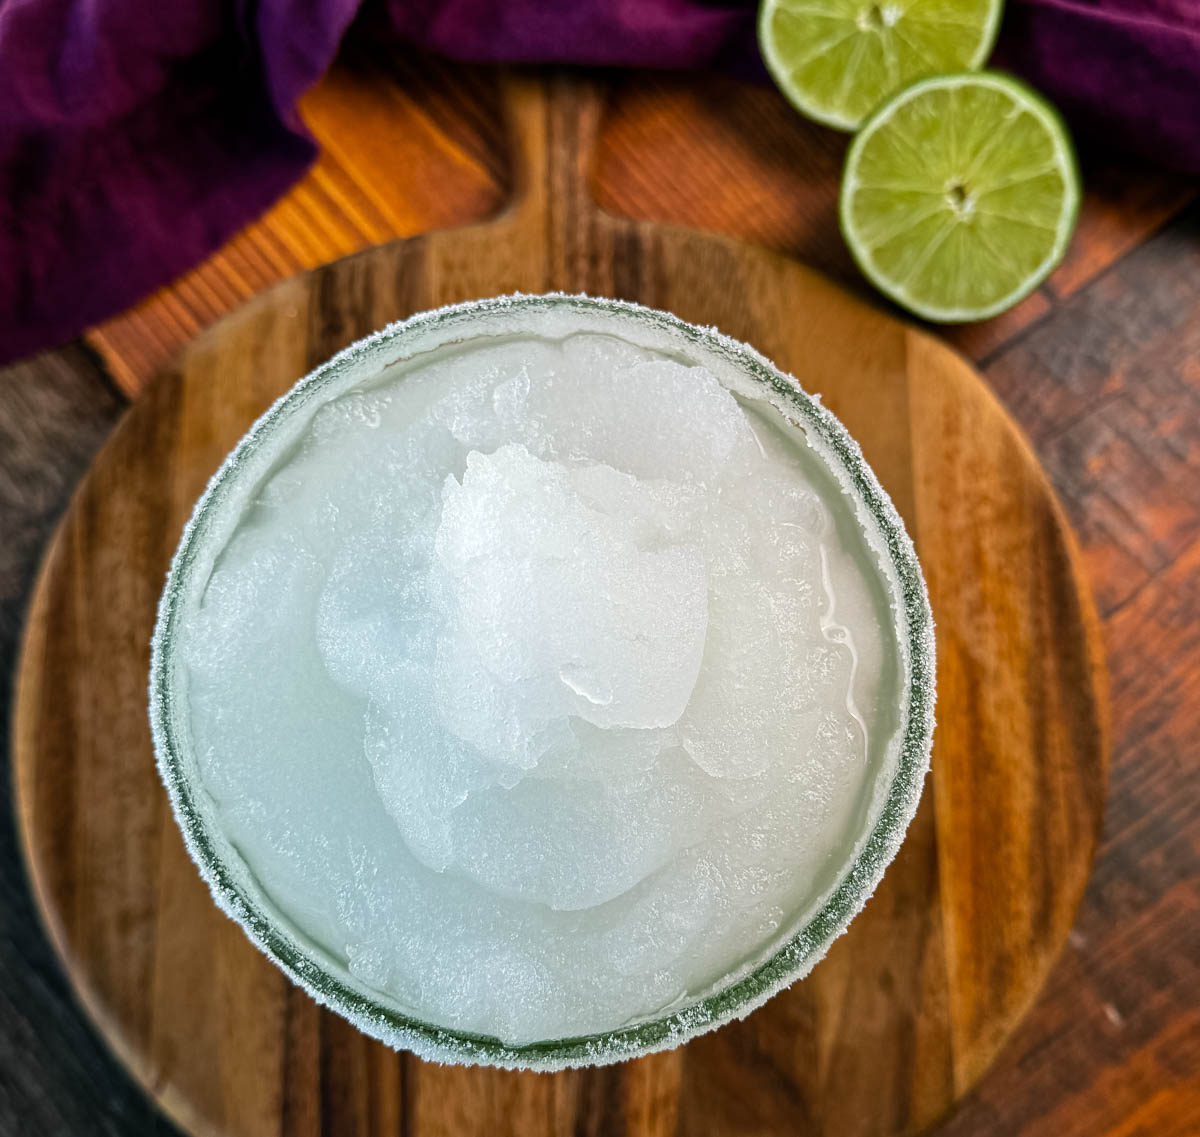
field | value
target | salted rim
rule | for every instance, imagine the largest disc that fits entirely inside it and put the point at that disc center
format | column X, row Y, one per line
column 236, row 891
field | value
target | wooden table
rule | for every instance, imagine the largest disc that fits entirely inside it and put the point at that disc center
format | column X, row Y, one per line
column 1101, row 367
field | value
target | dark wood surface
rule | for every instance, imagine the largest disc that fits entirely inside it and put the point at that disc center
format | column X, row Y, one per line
column 56, row 1075
column 1100, row 372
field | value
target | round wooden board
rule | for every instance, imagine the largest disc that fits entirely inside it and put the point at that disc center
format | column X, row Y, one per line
column 908, row 1008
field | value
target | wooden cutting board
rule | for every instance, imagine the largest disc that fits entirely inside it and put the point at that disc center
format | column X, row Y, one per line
column 910, row 1006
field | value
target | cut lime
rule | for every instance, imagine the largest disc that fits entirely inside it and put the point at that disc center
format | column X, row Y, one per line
column 960, row 195
column 837, row 60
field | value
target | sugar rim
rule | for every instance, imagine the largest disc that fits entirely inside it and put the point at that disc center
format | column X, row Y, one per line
column 241, row 899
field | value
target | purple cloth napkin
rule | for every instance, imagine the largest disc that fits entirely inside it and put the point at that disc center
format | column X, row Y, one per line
column 1125, row 72
column 136, row 138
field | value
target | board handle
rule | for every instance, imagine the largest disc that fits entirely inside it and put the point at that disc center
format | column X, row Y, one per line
column 553, row 118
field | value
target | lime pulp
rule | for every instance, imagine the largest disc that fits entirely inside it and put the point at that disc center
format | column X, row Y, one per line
column 837, row 60
column 960, row 195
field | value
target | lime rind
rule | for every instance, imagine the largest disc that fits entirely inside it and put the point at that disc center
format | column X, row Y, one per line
column 838, row 15
column 1061, row 161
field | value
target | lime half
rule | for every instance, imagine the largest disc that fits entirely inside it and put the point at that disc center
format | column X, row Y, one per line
column 837, row 60
column 960, row 195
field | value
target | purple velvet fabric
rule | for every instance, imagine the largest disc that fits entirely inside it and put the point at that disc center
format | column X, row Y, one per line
column 136, row 137
column 1125, row 72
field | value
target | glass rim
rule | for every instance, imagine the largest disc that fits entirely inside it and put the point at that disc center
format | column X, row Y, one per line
column 313, row 969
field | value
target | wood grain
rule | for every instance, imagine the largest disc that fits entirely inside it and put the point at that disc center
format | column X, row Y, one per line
column 56, row 1076
column 1110, row 391
column 411, row 143
column 930, row 980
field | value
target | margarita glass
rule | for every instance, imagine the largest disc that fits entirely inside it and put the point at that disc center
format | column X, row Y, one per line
column 588, row 483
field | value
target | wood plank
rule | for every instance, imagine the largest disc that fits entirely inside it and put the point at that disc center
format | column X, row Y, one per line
column 1122, row 208
column 1109, row 390
column 981, row 340
column 725, row 156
